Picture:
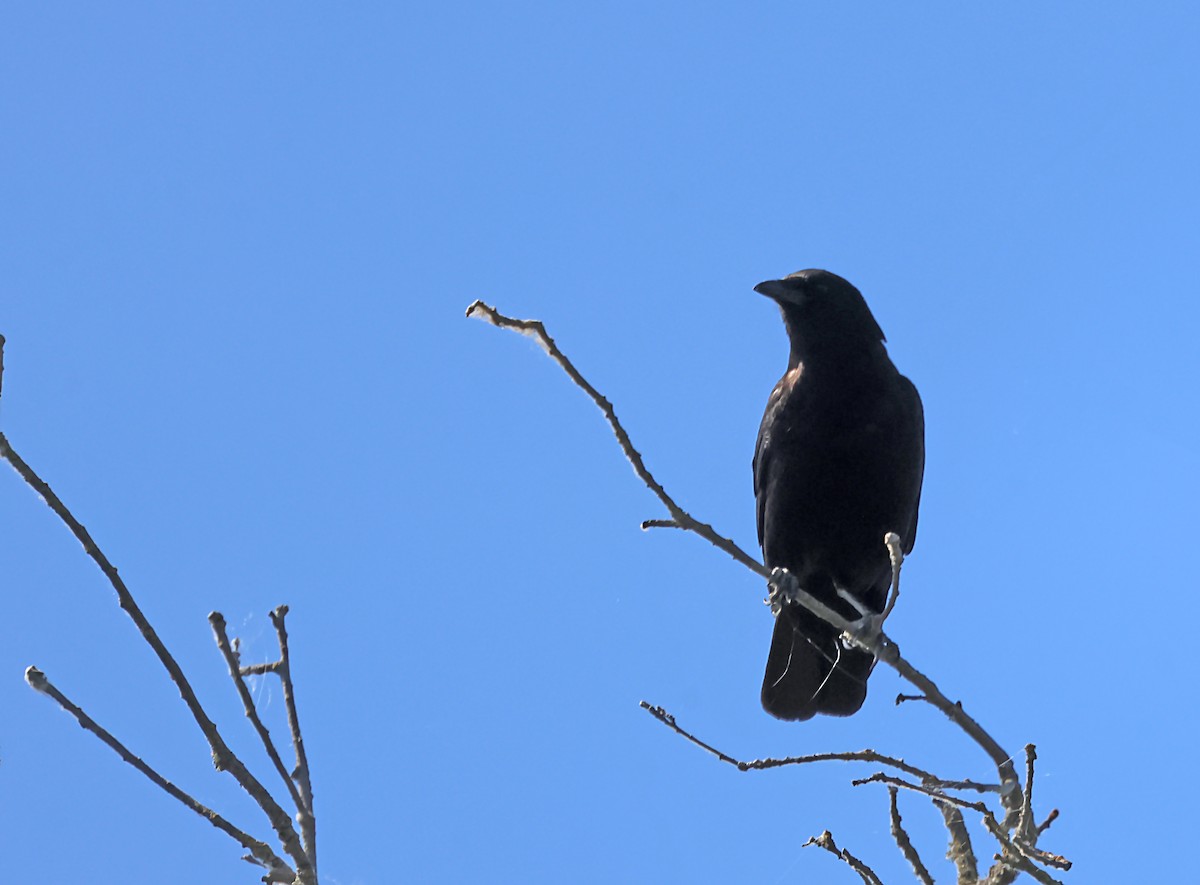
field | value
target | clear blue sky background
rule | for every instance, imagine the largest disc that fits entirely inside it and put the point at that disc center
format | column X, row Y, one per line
column 236, row 246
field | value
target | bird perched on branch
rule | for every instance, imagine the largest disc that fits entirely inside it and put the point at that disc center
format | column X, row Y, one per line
column 838, row 464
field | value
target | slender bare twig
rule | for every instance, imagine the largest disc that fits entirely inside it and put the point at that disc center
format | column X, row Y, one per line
column 217, row 621
column 934, row 792
column 1043, row 857
column 875, row 641
column 1011, row 862
column 224, row 759
column 1, row 365
column 825, row 840
column 260, row 852
column 299, row 783
column 896, row 554
column 928, row 778
column 668, row 720
column 960, row 851
column 660, row 524
column 904, row 842
column 1045, row 825
column 1026, row 830
column 537, row 331
column 301, row 773
column 260, row 669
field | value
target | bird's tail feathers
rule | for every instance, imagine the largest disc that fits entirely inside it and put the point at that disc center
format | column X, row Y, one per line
column 810, row 670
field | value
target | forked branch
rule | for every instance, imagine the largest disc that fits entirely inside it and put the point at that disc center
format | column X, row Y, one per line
column 300, row 849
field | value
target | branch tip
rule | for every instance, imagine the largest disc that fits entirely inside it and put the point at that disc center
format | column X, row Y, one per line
column 36, row 679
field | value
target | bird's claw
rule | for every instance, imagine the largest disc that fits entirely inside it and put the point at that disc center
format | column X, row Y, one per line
column 782, row 587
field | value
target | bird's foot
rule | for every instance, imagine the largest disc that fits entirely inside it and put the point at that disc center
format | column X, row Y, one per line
column 782, row 587
column 869, row 625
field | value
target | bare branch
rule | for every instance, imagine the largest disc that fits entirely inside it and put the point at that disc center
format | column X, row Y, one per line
column 668, row 720
column 896, row 554
column 1026, row 831
column 929, row 779
column 301, row 850
column 874, row 641
column 307, row 819
column 260, row 852
column 259, row 669
column 1043, row 857
column 534, row 329
column 1010, row 795
column 960, row 852
column 1012, row 861
column 217, row 621
column 660, row 524
column 825, row 840
column 934, row 792
column 1012, row 857
column 224, row 759
column 904, row 842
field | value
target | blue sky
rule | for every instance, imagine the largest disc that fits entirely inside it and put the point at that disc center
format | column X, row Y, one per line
column 237, row 246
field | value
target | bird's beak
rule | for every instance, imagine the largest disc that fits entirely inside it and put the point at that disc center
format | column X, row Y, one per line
column 773, row 289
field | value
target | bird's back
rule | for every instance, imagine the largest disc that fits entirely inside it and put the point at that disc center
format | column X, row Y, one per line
column 838, row 464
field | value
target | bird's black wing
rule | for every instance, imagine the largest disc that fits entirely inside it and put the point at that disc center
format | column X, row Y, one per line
column 917, row 411
column 763, row 450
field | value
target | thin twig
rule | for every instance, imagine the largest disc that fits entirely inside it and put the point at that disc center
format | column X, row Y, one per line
column 896, row 555
column 260, row 669
column 224, row 759
column 307, row 818
column 1043, row 857
column 868, row 755
column 660, row 524
column 934, row 792
column 825, row 840
column 904, row 842
column 877, row 642
column 1050, row 818
column 217, row 621
column 537, row 331
column 1011, row 861
column 260, row 852
column 668, row 720
column 1026, row 830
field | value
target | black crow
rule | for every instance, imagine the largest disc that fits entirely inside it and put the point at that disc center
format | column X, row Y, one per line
column 838, row 464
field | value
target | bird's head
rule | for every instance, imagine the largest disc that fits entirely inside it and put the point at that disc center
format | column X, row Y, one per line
column 821, row 310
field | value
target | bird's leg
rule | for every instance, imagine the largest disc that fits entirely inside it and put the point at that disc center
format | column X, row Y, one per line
column 782, row 587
